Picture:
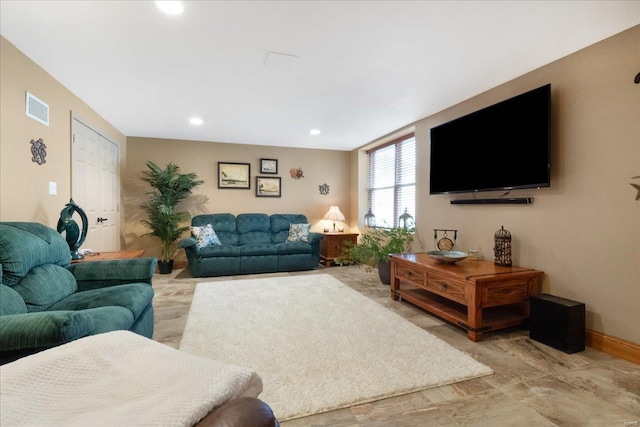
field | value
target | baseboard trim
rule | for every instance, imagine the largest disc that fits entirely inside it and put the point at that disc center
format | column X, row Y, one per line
column 613, row 346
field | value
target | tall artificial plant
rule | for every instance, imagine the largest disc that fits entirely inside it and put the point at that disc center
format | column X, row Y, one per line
column 169, row 188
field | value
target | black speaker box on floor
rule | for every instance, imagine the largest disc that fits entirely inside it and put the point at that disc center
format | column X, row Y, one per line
column 557, row 322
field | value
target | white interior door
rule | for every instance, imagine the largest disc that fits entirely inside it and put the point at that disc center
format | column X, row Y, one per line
column 96, row 185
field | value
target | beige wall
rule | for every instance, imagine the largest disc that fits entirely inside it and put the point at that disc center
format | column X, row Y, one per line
column 583, row 231
column 298, row 195
column 24, row 185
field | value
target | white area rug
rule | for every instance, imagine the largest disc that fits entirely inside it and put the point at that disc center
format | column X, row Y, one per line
column 318, row 344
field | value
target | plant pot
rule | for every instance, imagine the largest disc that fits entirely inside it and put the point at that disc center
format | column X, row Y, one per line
column 384, row 272
column 165, row 267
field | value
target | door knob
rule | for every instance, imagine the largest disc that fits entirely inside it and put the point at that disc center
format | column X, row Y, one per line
column 100, row 220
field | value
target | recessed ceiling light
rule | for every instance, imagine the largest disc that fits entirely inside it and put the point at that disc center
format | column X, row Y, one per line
column 170, row 7
column 196, row 121
column 315, row 132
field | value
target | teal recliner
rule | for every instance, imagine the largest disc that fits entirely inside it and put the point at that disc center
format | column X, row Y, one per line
column 45, row 301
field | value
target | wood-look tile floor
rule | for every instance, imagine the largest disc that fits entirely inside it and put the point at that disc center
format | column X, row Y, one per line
column 533, row 384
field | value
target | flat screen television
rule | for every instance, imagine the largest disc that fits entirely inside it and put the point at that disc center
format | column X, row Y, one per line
column 501, row 147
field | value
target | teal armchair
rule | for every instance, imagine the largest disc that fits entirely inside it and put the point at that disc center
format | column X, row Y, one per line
column 45, row 301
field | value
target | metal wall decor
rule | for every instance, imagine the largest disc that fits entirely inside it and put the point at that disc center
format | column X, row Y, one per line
column 324, row 189
column 444, row 243
column 502, row 247
column 296, row 173
column 38, row 151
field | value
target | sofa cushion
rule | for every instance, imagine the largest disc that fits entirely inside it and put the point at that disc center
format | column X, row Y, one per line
column 257, row 249
column 24, row 245
column 219, row 251
column 280, row 225
column 45, row 285
column 224, row 224
column 135, row 297
column 290, row 248
column 253, row 229
column 11, row 302
column 299, row 233
column 205, row 235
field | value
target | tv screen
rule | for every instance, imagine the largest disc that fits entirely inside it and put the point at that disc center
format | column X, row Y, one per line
column 501, row 147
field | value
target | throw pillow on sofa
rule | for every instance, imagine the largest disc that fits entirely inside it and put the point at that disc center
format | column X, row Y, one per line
column 299, row 233
column 205, row 235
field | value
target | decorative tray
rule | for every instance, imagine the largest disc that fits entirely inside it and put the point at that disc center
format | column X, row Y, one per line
column 448, row 257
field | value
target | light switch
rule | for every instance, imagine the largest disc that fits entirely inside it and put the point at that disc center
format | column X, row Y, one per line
column 53, row 188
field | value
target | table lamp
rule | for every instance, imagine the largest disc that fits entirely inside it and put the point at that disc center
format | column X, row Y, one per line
column 334, row 215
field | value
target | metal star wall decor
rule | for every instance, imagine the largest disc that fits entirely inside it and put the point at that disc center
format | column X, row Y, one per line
column 324, row 189
column 636, row 186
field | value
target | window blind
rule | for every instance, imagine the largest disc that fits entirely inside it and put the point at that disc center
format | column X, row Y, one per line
column 392, row 180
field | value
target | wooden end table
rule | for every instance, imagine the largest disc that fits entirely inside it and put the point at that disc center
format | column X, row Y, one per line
column 103, row 256
column 332, row 244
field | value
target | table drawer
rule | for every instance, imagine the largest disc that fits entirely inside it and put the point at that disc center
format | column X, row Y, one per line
column 446, row 287
column 508, row 292
column 414, row 275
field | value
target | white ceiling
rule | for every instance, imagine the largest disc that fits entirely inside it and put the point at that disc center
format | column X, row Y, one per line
column 356, row 70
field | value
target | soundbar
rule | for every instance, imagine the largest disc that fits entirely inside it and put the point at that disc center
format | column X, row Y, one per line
column 508, row 201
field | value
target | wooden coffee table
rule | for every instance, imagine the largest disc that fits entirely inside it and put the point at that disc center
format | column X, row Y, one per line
column 104, row 256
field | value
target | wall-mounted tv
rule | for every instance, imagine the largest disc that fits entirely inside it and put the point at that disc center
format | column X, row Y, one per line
column 501, row 147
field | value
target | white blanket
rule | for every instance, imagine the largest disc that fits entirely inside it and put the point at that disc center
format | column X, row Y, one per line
column 117, row 379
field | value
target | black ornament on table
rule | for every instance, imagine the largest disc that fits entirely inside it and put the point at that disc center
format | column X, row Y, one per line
column 74, row 236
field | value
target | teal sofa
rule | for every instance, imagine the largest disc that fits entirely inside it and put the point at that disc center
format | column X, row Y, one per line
column 45, row 301
column 251, row 243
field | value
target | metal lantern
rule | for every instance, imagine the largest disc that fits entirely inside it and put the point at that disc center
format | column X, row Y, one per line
column 406, row 220
column 502, row 247
column 369, row 219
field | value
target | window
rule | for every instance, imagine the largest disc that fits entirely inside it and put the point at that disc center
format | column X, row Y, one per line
column 392, row 180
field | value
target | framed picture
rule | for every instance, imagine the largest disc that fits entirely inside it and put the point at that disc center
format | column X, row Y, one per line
column 269, row 166
column 234, row 175
column 267, row 186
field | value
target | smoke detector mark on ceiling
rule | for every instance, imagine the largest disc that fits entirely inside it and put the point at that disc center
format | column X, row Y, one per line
column 280, row 61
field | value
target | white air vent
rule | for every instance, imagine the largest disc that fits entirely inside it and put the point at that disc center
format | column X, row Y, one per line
column 37, row 109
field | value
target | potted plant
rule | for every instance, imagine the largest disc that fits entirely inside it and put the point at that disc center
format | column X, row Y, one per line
column 169, row 188
column 374, row 248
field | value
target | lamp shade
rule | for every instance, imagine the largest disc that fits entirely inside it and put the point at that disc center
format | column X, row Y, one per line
column 334, row 214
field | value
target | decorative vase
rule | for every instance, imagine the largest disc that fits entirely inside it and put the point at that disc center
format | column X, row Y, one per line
column 165, row 267
column 384, row 271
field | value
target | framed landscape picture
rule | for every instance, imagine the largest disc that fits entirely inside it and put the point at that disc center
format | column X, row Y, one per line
column 267, row 186
column 269, row 166
column 234, row 175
